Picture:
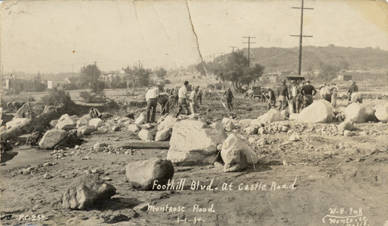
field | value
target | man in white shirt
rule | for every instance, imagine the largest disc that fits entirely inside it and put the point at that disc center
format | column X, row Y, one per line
column 152, row 100
column 182, row 101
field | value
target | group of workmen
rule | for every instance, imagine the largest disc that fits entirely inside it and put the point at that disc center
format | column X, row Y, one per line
column 168, row 99
column 299, row 94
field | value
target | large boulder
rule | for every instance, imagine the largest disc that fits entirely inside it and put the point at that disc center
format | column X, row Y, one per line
column 85, row 130
column 272, row 115
column 346, row 125
column 96, row 123
column 243, row 123
column 146, row 134
column 359, row 113
column 17, row 123
column 168, row 123
column 52, row 138
column 163, row 135
column 65, row 122
column 25, row 111
column 83, row 121
column 228, row 124
column 382, row 112
column 140, row 119
column 85, row 192
column 193, row 142
column 142, row 174
column 318, row 111
column 237, row 154
column 133, row 128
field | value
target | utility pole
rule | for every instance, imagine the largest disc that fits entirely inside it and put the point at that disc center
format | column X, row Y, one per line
column 249, row 42
column 301, row 36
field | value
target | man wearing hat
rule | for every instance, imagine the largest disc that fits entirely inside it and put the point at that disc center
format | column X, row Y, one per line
column 283, row 96
column 308, row 91
column 182, row 99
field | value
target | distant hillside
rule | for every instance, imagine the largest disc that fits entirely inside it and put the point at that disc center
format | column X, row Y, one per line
column 286, row 59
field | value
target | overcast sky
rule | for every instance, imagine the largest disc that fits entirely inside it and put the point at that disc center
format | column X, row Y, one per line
column 59, row 36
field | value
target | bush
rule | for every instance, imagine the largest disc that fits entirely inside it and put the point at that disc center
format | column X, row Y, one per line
column 56, row 97
column 90, row 97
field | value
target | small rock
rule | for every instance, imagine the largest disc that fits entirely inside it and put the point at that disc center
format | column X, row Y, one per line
column 99, row 146
column 47, row 176
column 294, row 137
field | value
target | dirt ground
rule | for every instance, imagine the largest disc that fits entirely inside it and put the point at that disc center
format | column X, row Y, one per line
column 319, row 180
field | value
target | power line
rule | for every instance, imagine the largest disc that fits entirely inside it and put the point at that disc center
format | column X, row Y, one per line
column 301, row 36
column 249, row 42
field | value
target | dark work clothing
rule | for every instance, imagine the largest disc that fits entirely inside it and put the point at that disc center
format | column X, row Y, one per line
column 353, row 88
column 308, row 90
column 228, row 95
column 182, row 102
column 151, row 109
column 283, row 91
column 163, row 100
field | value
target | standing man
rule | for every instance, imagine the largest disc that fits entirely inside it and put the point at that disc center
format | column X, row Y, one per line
column 294, row 97
column 308, row 91
column 194, row 100
column 352, row 89
column 199, row 96
column 283, row 96
column 271, row 98
column 325, row 92
column 182, row 99
column 334, row 94
column 228, row 95
column 152, row 101
column 163, row 100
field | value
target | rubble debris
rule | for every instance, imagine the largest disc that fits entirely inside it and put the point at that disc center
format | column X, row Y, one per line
column 86, row 191
column 228, row 124
column 83, row 121
column 140, row 119
column 251, row 130
column 146, row 134
column 16, row 123
column 65, row 122
column 346, row 125
column 194, row 142
column 163, row 135
column 133, row 128
column 318, row 111
column 144, row 174
column 294, row 137
column 237, row 154
column 99, row 146
column 51, row 138
column 167, row 122
column 25, row 111
column 85, row 130
column 53, row 123
column 96, row 123
column 272, row 115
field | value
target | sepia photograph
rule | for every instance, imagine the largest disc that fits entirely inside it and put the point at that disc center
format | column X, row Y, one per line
column 194, row 112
